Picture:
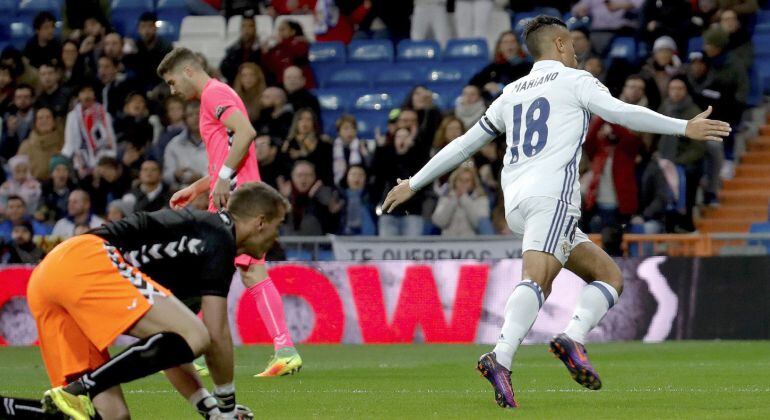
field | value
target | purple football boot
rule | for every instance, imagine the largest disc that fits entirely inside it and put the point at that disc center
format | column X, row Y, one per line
column 499, row 377
column 573, row 355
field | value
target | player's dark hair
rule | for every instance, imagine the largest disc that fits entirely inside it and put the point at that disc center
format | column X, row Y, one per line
column 176, row 57
column 534, row 28
column 41, row 18
column 255, row 198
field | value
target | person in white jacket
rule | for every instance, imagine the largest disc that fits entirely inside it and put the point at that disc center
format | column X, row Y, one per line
column 431, row 17
column 464, row 204
column 88, row 133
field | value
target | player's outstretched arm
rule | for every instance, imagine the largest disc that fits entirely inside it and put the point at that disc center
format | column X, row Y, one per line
column 186, row 195
column 243, row 135
column 451, row 156
column 598, row 100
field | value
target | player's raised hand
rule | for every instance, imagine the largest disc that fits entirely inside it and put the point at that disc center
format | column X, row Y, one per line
column 702, row 128
column 182, row 198
column 221, row 193
column 398, row 195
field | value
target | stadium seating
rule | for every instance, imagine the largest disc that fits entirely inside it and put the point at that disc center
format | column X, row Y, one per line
column 306, row 21
column 27, row 9
column 125, row 15
column 763, row 227
column 761, row 45
column 518, row 20
column 444, row 96
column 466, row 50
column 168, row 30
column 264, row 25
column 173, row 12
column 327, row 52
column 625, row 48
column 209, row 28
column 695, row 44
column 19, row 32
column 347, row 76
column 368, row 121
column 395, row 76
column 373, row 101
column 372, row 51
column 409, row 50
column 7, row 7
column 334, row 99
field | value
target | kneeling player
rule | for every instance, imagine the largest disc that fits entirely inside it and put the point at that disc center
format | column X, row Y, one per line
column 89, row 290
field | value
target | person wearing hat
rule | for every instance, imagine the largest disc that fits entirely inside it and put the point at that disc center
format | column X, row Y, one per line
column 22, row 249
column 663, row 64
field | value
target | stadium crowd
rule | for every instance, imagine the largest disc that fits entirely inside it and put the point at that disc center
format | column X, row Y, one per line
column 90, row 133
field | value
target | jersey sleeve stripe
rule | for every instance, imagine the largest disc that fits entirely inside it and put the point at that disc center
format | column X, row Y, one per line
column 484, row 127
column 495, row 131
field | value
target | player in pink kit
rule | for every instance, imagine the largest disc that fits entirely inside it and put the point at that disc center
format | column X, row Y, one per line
column 229, row 138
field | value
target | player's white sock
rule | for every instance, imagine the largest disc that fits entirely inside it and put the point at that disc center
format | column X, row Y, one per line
column 595, row 300
column 204, row 402
column 520, row 313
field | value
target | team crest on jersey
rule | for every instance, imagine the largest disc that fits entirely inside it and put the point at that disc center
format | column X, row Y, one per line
column 220, row 110
column 601, row 85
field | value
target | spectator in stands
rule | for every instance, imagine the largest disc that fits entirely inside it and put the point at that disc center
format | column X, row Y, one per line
column 18, row 122
column 595, row 66
column 358, row 216
column 305, row 142
column 315, row 208
column 611, row 197
column 21, row 249
column 682, row 151
column 21, row 72
column 78, row 213
column 150, row 51
column 272, row 164
column 114, row 87
column 634, row 91
column 663, row 65
column 431, row 16
column 472, row 18
column 746, row 9
column 348, row 149
column 290, row 48
column 337, row 20
column 429, row 117
column 276, row 115
column 7, row 87
column 659, row 207
column 609, row 18
column 74, row 71
column 91, row 40
column 398, row 160
column 582, row 45
column 509, row 64
column 173, row 125
column 451, row 127
column 56, row 190
column 43, row 46
column 132, row 124
column 118, row 210
column 249, row 84
column 470, row 106
column 185, row 160
column 76, row 12
column 109, row 181
column 15, row 214
column 299, row 96
column 21, row 183
column 464, row 205
column 45, row 140
column 52, row 95
column 290, row 7
column 245, row 50
column 151, row 193
column 739, row 46
column 667, row 18
column 88, row 133
column 113, row 47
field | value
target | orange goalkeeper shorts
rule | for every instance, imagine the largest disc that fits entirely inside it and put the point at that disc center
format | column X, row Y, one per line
column 83, row 295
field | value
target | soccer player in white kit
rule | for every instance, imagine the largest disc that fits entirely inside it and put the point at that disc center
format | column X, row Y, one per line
column 544, row 116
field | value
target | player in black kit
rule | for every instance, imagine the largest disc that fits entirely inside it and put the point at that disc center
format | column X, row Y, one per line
column 129, row 277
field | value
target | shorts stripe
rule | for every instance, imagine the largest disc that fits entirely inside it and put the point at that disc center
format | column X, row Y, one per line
column 556, row 237
column 557, row 215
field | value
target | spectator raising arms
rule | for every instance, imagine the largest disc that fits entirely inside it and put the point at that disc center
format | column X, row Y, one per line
column 358, row 214
column 465, row 204
column 348, row 150
column 290, row 48
column 45, row 140
column 305, row 142
column 315, row 207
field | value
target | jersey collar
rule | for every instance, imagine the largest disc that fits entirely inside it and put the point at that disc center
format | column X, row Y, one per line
column 543, row 64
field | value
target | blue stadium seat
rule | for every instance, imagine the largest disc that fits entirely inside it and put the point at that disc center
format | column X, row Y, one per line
column 373, row 101
column 756, row 86
column 392, row 76
column 20, row 32
column 7, row 7
column 397, row 93
column 347, row 76
column 368, row 121
column 548, row 11
column 372, row 51
column 298, row 255
column 171, row 5
column 27, row 9
column 168, row 30
column 695, row 44
column 518, row 20
column 444, row 74
column 329, row 119
column 327, row 52
column 143, row 5
column 763, row 227
column 409, row 50
column 761, row 44
column 623, row 47
column 334, row 99
column 444, row 96
column 575, row 22
column 466, row 49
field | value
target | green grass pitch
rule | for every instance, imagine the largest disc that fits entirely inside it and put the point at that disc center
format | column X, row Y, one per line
column 697, row 380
